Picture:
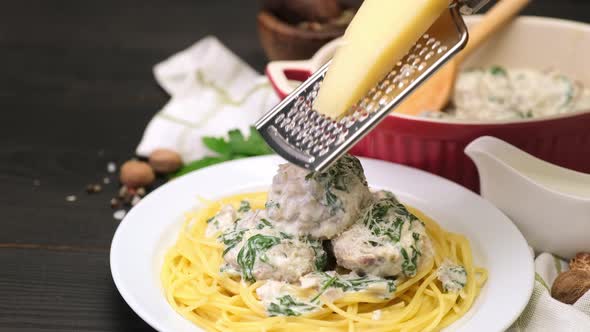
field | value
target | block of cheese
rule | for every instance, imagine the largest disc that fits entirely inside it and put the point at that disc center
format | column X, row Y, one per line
column 381, row 33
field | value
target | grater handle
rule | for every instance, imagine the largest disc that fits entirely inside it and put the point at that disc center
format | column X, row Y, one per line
column 469, row 7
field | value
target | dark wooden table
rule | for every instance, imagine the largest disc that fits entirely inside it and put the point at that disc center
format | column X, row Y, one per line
column 76, row 91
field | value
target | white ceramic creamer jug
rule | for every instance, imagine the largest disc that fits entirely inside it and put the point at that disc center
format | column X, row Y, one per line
column 549, row 204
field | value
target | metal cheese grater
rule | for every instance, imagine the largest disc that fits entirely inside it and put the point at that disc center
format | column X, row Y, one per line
column 312, row 141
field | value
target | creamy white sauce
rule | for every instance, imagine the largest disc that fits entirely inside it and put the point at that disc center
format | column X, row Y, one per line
column 498, row 93
column 281, row 299
column 294, row 299
column 332, row 286
column 452, row 276
column 282, row 244
column 376, row 315
column 222, row 221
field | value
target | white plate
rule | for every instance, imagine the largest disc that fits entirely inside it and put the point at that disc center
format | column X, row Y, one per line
column 151, row 228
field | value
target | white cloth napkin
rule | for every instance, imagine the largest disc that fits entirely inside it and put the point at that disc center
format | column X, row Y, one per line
column 212, row 91
column 544, row 313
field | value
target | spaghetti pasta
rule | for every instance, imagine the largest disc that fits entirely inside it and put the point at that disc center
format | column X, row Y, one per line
column 215, row 301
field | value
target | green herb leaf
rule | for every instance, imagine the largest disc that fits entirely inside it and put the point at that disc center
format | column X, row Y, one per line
column 244, row 206
column 497, row 71
column 272, row 205
column 287, row 306
column 218, row 144
column 198, row 164
column 321, row 257
column 351, row 284
column 235, row 147
column 337, row 177
column 255, row 248
column 231, row 239
column 253, row 146
column 410, row 264
column 386, row 217
column 264, row 223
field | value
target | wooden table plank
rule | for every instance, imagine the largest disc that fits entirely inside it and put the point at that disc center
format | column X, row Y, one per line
column 58, row 290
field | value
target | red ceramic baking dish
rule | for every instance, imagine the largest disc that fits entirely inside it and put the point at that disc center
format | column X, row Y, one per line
column 437, row 146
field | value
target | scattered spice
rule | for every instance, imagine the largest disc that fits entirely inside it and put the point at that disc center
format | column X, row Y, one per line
column 122, row 191
column 115, row 203
column 141, row 191
column 119, row 214
column 127, row 197
column 111, row 167
column 71, row 198
column 93, row 188
column 135, row 200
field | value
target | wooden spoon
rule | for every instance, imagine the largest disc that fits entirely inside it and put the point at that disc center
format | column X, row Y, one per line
column 436, row 92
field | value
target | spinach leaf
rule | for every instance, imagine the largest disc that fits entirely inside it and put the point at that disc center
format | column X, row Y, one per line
column 352, row 284
column 321, row 256
column 287, row 306
column 386, row 217
column 497, row 71
column 272, row 205
column 337, row 177
column 264, row 223
column 410, row 264
column 244, row 206
column 231, row 239
column 255, row 248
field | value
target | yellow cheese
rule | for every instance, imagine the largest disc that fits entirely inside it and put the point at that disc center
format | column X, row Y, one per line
column 381, row 34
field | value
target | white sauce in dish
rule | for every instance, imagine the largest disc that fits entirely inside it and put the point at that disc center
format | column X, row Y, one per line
column 496, row 93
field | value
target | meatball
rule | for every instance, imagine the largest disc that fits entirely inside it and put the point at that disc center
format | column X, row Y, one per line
column 258, row 251
column 321, row 205
column 386, row 241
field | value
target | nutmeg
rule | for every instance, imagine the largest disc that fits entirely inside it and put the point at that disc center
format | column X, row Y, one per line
column 570, row 286
column 165, row 161
column 297, row 11
column 580, row 262
column 136, row 174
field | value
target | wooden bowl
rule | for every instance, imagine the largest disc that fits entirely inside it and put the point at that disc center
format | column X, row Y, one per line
column 283, row 41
